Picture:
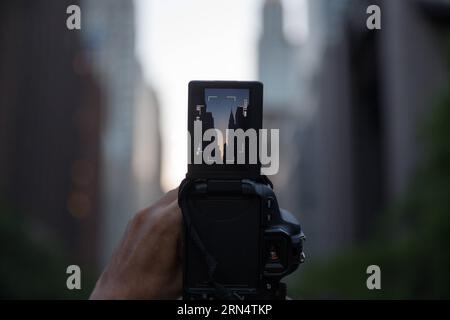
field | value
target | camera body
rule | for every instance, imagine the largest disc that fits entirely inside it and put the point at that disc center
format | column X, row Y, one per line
column 245, row 249
column 238, row 243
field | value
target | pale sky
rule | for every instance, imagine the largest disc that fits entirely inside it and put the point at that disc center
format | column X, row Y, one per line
column 183, row 40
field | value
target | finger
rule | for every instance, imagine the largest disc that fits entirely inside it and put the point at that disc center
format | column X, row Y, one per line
column 170, row 196
column 173, row 213
column 164, row 201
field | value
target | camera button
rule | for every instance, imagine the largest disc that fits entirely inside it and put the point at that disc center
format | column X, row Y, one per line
column 302, row 257
column 270, row 201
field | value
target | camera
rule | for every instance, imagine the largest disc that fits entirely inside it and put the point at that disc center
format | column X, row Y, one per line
column 238, row 243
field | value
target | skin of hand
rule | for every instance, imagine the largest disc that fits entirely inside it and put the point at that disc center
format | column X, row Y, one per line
column 148, row 262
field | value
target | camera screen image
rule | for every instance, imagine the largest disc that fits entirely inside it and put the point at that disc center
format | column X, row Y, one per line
column 224, row 109
column 223, row 122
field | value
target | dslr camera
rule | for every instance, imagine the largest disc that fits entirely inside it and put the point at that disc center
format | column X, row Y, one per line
column 238, row 243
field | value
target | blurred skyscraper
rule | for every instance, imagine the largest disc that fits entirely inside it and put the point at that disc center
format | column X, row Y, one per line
column 130, row 136
column 50, row 111
column 79, row 139
column 369, row 91
column 279, row 71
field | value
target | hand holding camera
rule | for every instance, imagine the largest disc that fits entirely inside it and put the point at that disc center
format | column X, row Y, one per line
column 238, row 243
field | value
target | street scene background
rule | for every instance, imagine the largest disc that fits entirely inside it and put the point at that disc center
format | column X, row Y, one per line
column 93, row 128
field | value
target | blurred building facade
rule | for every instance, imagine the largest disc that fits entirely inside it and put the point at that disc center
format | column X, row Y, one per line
column 279, row 71
column 130, row 137
column 50, row 111
column 79, row 138
column 369, row 91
